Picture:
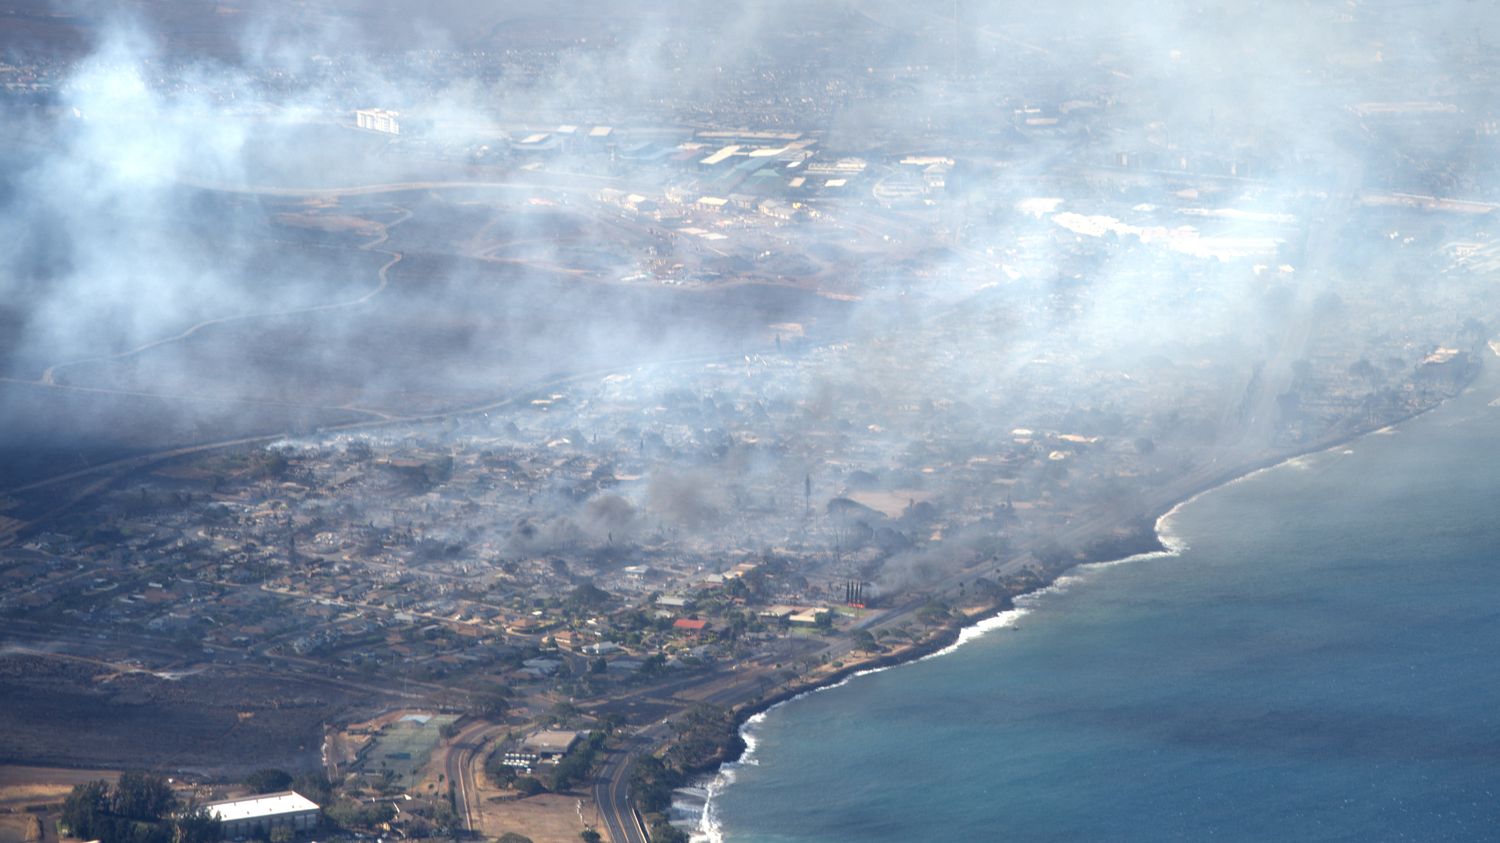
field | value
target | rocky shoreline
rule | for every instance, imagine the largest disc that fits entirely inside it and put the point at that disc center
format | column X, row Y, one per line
column 950, row 633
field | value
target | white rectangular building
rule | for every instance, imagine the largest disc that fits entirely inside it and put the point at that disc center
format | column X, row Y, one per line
column 551, row 744
column 240, row 818
column 378, row 120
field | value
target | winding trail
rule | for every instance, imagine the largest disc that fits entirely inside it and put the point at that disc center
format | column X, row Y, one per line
column 48, row 376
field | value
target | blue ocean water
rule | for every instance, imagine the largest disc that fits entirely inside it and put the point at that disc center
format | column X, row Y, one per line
column 1318, row 663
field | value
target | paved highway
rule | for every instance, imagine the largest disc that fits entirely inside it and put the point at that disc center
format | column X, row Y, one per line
column 463, row 752
column 612, row 796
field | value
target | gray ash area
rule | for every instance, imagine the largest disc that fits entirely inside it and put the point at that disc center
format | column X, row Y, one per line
column 71, row 712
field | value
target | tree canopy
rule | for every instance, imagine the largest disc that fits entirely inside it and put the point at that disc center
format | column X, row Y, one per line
column 269, row 780
column 137, row 809
column 142, row 796
column 589, row 596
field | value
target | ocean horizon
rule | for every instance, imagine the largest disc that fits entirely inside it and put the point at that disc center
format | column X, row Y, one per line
column 1306, row 661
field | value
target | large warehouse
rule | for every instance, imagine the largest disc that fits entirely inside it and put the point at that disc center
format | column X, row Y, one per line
column 242, row 817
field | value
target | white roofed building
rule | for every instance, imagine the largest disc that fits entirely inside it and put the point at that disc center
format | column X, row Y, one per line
column 378, row 120
column 551, row 743
column 244, row 817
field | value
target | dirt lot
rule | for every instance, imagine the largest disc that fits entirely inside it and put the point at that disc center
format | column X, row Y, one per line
column 545, row 818
column 21, row 785
column 15, row 828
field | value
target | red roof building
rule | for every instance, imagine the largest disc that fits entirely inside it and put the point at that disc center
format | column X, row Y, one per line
column 692, row 625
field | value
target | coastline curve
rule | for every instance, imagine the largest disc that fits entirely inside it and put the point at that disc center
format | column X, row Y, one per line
column 709, row 828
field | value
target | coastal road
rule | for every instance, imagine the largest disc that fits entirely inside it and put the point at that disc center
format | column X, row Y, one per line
column 612, row 795
column 612, row 786
column 463, row 751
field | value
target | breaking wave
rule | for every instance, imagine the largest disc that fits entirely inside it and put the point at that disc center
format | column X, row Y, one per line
column 709, row 829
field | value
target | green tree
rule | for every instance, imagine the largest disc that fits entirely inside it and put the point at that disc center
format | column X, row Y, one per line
column 496, row 769
column 528, row 786
column 589, row 596
column 666, row 833
column 562, row 712
column 347, row 813
column 343, row 813
column 281, row 834
column 588, row 835
column 737, row 588
column 569, row 771
column 142, row 796
column 513, row 837
column 84, row 807
column 934, row 612
column 651, row 784
column 490, row 706
column 269, row 781
column 314, row 786
column 653, row 664
column 705, row 737
column 443, row 814
column 196, row 825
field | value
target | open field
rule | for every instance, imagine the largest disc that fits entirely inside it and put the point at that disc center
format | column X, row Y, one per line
column 68, row 712
column 21, row 828
column 24, row 789
column 22, row 785
column 545, row 818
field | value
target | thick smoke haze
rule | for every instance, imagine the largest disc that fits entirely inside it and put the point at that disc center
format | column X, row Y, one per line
column 347, row 345
column 200, row 246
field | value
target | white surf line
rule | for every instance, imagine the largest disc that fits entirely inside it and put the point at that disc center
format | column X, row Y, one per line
column 710, row 829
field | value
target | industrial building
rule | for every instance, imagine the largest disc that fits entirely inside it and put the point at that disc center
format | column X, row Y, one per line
column 542, row 746
column 378, row 120
column 551, row 744
column 240, row 818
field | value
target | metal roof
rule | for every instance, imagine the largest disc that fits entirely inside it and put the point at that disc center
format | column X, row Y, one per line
column 267, row 805
column 552, row 742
